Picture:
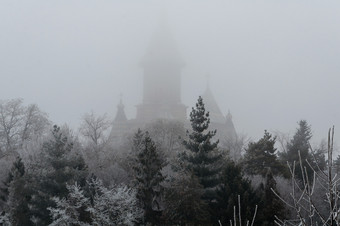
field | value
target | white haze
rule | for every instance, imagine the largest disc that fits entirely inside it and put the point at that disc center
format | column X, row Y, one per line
column 271, row 63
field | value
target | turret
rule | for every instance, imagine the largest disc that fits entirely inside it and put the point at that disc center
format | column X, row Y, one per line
column 120, row 124
column 120, row 116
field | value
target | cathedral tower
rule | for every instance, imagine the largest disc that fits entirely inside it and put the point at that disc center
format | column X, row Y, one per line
column 162, row 67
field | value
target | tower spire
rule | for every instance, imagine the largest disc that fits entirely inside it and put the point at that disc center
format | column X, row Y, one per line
column 162, row 65
column 120, row 116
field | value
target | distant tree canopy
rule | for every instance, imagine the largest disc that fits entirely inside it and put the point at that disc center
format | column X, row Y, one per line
column 94, row 129
column 299, row 147
column 261, row 156
column 19, row 124
column 166, row 177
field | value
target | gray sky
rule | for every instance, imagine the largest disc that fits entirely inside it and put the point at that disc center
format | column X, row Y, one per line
column 271, row 63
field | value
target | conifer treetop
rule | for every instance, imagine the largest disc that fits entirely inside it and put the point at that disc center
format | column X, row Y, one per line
column 200, row 138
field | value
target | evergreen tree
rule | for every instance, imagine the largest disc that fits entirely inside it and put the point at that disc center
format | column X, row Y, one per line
column 18, row 169
column 148, row 177
column 261, row 155
column 300, row 144
column 319, row 159
column 272, row 205
column 202, row 156
column 67, row 209
column 18, row 195
column 183, row 199
column 233, row 185
column 62, row 167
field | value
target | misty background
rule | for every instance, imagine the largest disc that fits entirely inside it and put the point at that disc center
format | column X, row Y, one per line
column 271, row 63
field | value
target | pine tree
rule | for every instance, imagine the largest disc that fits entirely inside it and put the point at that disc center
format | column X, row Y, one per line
column 17, row 169
column 18, row 195
column 272, row 205
column 261, row 155
column 64, row 167
column 233, row 185
column 300, row 144
column 183, row 199
column 148, row 178
column 202, row 156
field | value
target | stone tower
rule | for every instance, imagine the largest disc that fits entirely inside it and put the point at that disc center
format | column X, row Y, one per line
column 162, row 65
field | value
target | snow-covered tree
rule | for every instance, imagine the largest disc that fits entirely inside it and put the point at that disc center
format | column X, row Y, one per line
column 19, row 123
column 59, row 166
column 109, row 206
column 68, row 209
column 114, row 206
column 94, row 128
column 5, row 219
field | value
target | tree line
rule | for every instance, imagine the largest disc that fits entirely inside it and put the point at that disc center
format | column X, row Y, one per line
column 160, row 175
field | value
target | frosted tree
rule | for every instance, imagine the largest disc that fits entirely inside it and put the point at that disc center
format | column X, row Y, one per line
column 59, row 166
column 68, row 209
column 109, row 206
column 115, row 206
column 94, row 136
column 94, row 128
column 5, row 219
column 19, row 123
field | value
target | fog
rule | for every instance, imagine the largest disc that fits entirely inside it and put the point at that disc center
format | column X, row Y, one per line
column 271, row 63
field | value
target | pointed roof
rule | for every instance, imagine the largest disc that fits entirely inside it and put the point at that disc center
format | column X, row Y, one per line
column 212, row 106
column 120, row 116
column 163, row 46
